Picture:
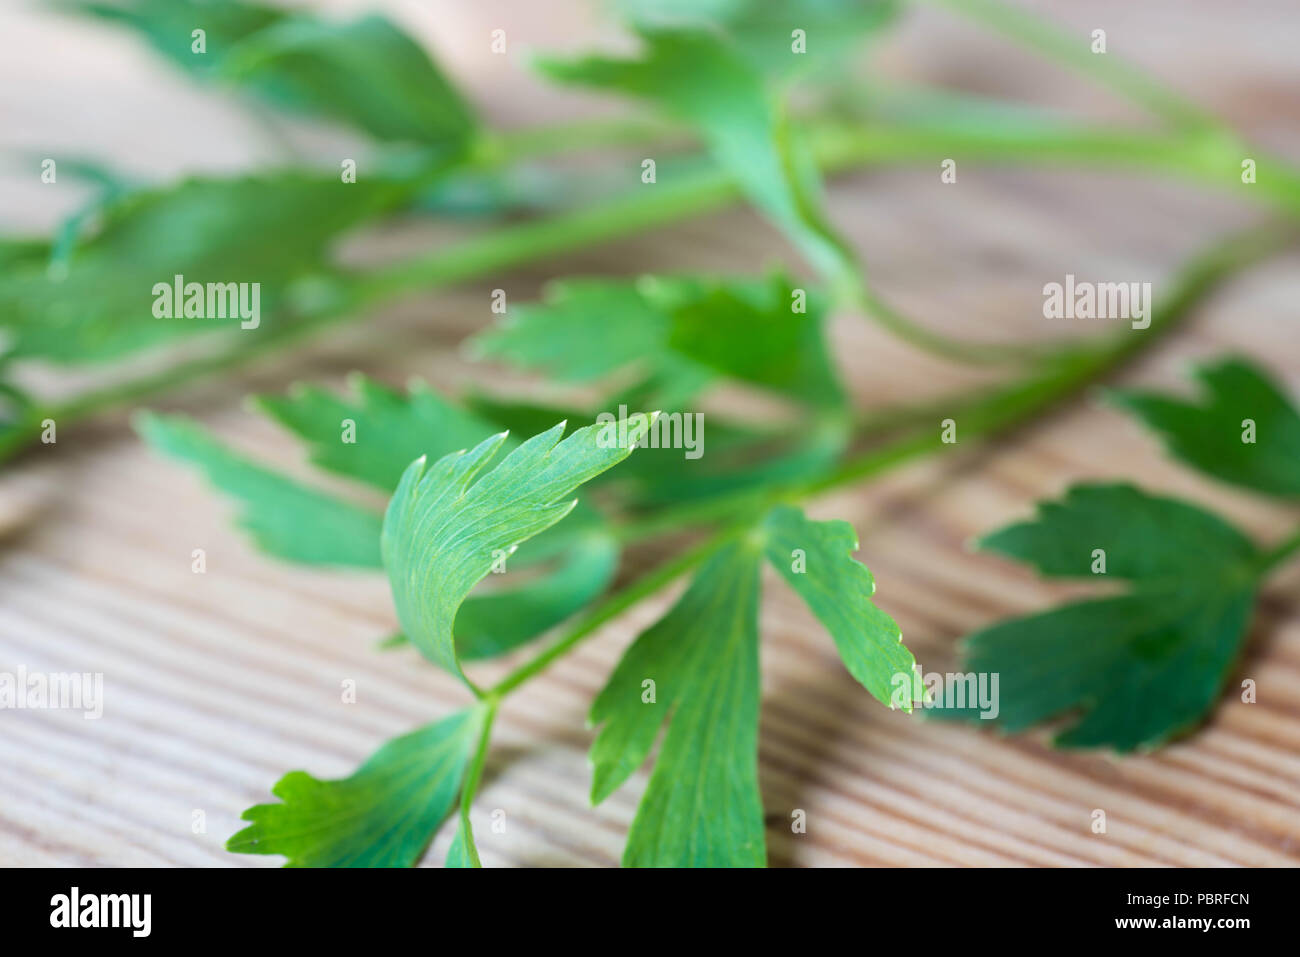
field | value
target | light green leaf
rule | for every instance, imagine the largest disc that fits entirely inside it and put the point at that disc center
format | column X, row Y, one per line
column 698, row 668
column 705, row 79
column 816, row 558
column 1136, row 669
column 442, row 534
column 383, row 815
column 285, row 518
column 1243, row 430
column 462, row 852
column 168, row 24
column 496, row 622
column 275, row 231
column 761, row 29
column 390, row 429
column 366, row 72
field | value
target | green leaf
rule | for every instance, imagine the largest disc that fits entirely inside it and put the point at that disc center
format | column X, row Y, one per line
column 1211, row 434
column 706, row 80
column 1146, row 538
column 285, row 518
column 582, row 554
column 1139, row 668
column 391, row 430
column 816, row 559
column 168, row 24
column 739, row 460
column 273, row 230
column 383, row 815
column 675, row 335
column 576, row 561
column 442, row 534
column 761, row 29
column 366, row 72
column 702, row 806
column 494, row 623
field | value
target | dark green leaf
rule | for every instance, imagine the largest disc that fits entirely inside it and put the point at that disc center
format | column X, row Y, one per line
column 675, row 335
column 1141, row 667
column 1243, row 430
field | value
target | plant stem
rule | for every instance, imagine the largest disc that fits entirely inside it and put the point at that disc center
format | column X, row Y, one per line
column 1076, row 52
column 474, row 775
column 613, row 606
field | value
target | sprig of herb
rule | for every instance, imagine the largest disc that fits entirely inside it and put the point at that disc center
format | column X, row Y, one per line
column 91, row 308
column 723, row 78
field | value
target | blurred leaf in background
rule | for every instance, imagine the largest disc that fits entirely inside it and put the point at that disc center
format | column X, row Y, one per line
column 365, row 73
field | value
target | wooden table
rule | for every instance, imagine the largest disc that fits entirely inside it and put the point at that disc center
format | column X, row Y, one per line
column 216, row 684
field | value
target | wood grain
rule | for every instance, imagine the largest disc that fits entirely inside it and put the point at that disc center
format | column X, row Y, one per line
column 216, row 684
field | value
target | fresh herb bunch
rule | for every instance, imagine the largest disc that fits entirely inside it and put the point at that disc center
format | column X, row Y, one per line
column 465, row 492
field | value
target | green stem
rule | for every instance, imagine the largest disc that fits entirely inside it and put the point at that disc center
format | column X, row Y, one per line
column 1076, row 53
column 474, row 775
column 613, row 606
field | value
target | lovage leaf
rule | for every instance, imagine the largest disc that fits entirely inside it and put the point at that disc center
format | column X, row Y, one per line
column 366, row 72
column 763, row 30
column 1244, row 430
column 383, row 815
column 1138, row 668
column 168, row 25
column 697, row 667
column 572, row 563
column 677, row 334
column 388, row 429
column 703, row 78
column 273, row 230
column 286, row 519
column 816, row 558
column 450, row 521
column 580, row 570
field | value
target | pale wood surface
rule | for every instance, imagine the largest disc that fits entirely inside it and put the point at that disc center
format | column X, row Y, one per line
column 217, row 684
